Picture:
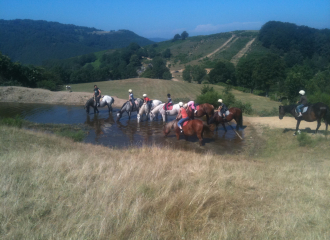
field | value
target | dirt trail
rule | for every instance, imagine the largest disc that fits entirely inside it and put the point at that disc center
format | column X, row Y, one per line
column 240, row 54
column 286, row 122
column 218, row 49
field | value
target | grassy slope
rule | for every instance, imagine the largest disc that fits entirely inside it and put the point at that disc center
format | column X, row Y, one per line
column 158, row 89
column 52, row 187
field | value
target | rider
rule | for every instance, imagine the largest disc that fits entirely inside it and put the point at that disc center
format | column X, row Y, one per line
column 302, row 102
column 131, row 98
column 222, row 109
column 97, row 95
column 192, row 105
column 147, row 100
column 183, row 114
column 169, row 101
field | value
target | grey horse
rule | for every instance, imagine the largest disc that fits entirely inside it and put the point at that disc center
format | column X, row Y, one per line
column 127, row 107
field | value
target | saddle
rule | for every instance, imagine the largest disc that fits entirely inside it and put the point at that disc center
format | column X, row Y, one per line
column 305, row 108
column 226, row 113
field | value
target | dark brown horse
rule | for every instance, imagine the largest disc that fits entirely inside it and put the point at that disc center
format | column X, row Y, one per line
column 205, row 109
column 315, row 112
column 234, row 113
column 192, row 127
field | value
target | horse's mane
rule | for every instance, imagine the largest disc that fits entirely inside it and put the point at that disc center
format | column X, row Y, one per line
column 124, row 105
column 89, row 101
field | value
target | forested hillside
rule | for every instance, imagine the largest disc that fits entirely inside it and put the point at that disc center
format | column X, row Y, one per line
column 32, row 42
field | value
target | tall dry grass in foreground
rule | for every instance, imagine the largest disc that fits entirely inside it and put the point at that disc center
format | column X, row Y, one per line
column 53, row 188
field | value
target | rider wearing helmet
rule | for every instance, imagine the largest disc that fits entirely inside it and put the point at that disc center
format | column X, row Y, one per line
column 97, row 95
column 169, row 101
column 183, row 114
column 131, row 98
column 302, row 102
column 192, row 105
column 222, row 109
column 147, row 101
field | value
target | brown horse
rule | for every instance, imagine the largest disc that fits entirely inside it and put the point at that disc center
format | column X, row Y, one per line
column 315, row 112
column 192, row 127
column 234, row 113
column 205, row 109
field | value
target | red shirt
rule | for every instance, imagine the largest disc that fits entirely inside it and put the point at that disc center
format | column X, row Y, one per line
column 147, row 99
column 184, row 113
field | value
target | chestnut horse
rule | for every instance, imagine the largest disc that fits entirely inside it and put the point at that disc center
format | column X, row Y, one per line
column 234, row 113
column 315, row 112
column 192, row 127
column 205, row 109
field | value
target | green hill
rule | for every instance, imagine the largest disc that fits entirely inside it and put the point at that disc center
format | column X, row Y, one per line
column 32, row 42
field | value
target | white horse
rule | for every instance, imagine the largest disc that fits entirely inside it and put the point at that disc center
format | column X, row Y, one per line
column 127, row 107
column 145, row 108
column 104, row 101
column 160, row 109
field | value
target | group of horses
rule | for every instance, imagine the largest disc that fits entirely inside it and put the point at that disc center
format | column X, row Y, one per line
column 191, row 127
column 315, row 112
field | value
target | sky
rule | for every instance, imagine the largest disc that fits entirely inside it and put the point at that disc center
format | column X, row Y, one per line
column 164, row 19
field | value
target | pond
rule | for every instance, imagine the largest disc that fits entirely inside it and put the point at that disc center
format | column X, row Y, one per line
column 106, row 131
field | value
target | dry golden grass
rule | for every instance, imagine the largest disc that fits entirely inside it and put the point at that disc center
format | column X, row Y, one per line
column 53, row 188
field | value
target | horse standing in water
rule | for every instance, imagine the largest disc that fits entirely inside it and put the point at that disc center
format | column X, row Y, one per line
column 205, row 109
column 160, row 109
column 145, row 108
column 315, row 112
column 234, row 113
column 190, row 127
column 104, row 101
column 127, row 107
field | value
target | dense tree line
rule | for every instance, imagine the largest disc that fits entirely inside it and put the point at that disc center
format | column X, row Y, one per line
column 32, row 42
column 15, row 74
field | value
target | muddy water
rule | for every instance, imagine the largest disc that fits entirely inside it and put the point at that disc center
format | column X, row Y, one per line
column 124, row 133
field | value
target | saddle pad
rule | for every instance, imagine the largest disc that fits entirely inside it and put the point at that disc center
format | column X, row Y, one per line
column 305, row 109
column 227, row 113
column 168, row 108
column 185, row 123
column 197, row 107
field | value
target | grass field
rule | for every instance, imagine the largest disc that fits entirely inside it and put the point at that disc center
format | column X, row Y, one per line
column 158, row 89
column 54, row 188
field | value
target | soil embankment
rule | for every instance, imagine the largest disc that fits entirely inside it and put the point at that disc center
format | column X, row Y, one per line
column 35, row 95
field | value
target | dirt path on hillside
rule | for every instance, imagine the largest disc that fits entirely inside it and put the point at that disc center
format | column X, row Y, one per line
column 240, row 54
column 218, row 49
column 35, row 95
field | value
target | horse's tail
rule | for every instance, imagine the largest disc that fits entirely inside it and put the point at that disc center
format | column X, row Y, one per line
column 327, row 115
column 112, row 101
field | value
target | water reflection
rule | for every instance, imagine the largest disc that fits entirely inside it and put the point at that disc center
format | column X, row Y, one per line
column 124, row 133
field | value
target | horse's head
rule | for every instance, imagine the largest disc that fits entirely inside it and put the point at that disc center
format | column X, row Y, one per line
column 118, row 116
column 166, row 130
column 281, row 112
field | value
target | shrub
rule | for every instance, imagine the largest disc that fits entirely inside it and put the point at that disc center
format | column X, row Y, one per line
column 77, row 136
column 245, row 107
column 304, row 139
column 209, row 97
column 13, row 122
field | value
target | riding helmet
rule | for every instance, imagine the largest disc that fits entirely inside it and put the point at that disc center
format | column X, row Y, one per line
column 180, row 104
column 185, row 105
column 144, row 95
column 302, row 92
column 130, row 90
column 220, row 100
column 168, row 95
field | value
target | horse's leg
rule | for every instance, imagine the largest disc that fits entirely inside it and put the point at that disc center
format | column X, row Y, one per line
column 297, row 127
column 200, row 137
column 318, row 125
column 129, row 115
column 108, row 107
column 223, row 124
column 207, row 119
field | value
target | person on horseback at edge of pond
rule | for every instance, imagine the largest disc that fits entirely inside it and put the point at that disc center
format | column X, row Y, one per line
column 192, row 105
column 301, row 103
column 97, row 95
column 222, row 109
column 169, row 102
column 147, row 101
column 131, row 98
column 183, row 114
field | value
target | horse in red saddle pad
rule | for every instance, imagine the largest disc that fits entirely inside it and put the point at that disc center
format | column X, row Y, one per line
column 205, row 109
column 168, row 106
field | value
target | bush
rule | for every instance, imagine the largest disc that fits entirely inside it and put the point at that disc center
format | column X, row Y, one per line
column 210, row 97
column 304, row 139
column 77, row 136
column 245, row 107
column 13, row 122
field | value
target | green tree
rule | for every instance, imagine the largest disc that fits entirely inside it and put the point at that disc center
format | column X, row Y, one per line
column 198, row 73
column 222, row 72
column 186, row 74
column 166, row 53
column 184, row 35
column 176, row 37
